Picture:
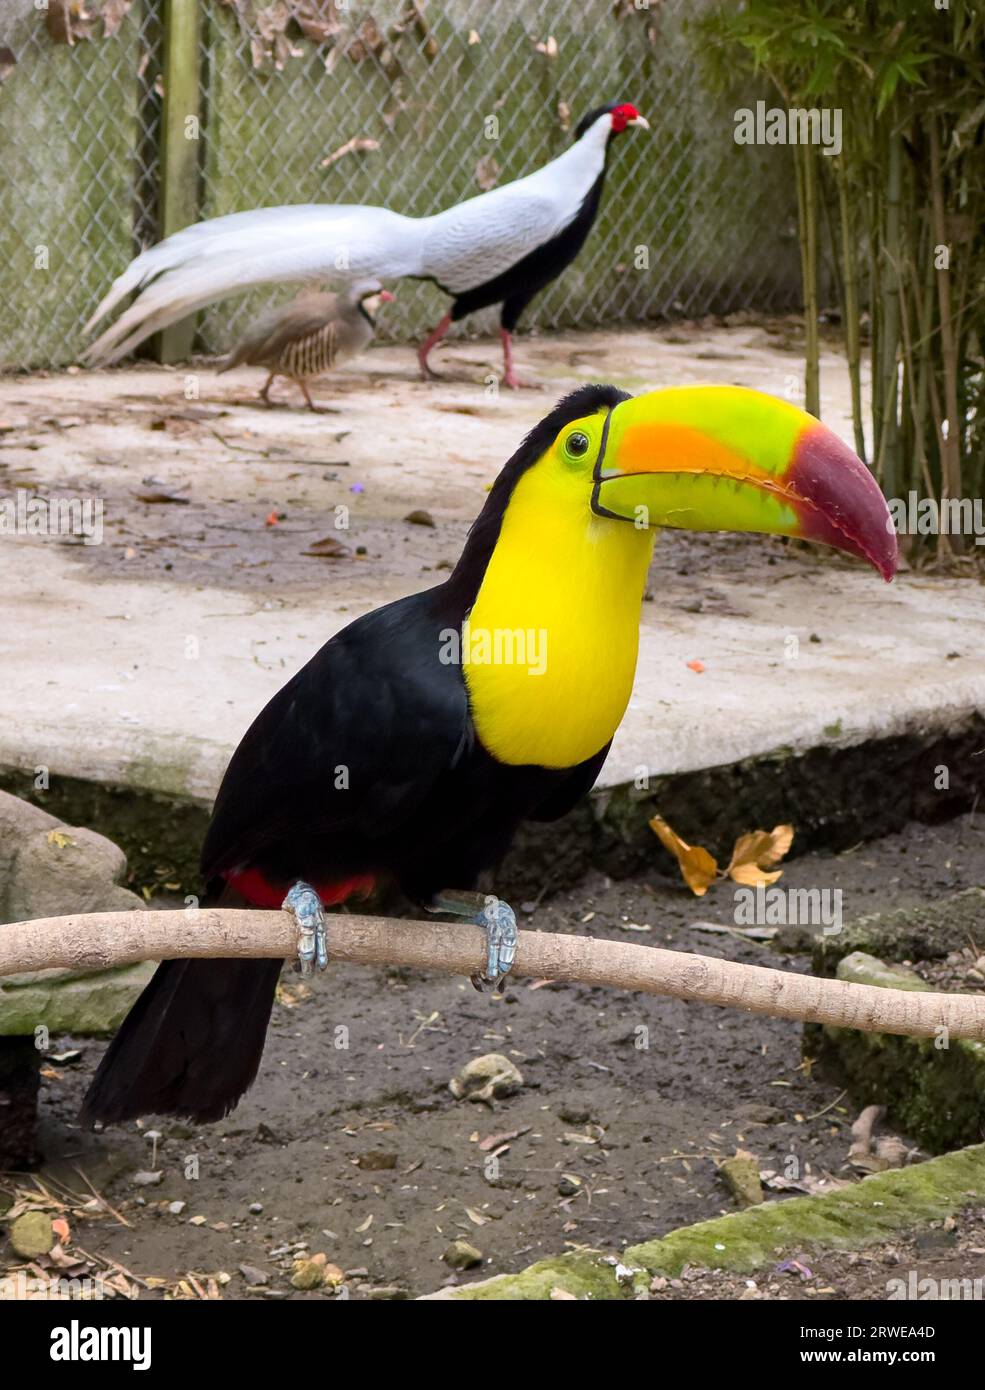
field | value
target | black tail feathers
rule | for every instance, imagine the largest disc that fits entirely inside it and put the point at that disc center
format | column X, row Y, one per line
column 191, row 1045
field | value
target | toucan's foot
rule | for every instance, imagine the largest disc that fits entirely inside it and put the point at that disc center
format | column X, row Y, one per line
column 498, row 920
column 305, row 906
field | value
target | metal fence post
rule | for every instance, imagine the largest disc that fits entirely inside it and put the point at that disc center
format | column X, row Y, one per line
column 180, row 131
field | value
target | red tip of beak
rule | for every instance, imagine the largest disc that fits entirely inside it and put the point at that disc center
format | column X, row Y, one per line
column 841, row 503
column 386, row 297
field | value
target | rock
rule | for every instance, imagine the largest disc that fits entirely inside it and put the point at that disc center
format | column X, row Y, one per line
column 741, row 1176
column 892, row 1150
column 388, row 1293
column 419, row 517
column 376, row 1161
column 308, row 1274
column 755, row 1113
column 486, row 1078
column 47, row 869
column 574, row 1114
column 569, row 1185
column 254, row 1277
column 255, row 1208
column 31, row 1235
column 930, row 931
column 176, row 1208
column 147, row 1179
column 70, row 1001
column 932, row 1092
column 461, row 1255
column 862, row 969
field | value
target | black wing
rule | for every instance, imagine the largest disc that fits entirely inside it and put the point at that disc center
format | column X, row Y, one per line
column 353, row 742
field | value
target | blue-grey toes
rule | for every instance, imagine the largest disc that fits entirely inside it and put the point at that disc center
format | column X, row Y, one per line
column 498, row 920
column 305, row 906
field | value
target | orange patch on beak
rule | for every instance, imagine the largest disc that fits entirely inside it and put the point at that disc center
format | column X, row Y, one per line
column 665, row 447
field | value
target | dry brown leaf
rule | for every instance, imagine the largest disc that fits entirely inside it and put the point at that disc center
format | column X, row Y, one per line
column 697, row 866
column 781, row 837
column 328, row 548
column 358, row 144
column 318, row 20
column 756, row 852
column 751, row 875
column 487, row 172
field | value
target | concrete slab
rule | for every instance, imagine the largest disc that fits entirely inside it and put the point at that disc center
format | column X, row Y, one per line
column 141, row 661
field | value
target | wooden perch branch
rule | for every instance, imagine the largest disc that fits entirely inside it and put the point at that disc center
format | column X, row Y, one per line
column 98, row 940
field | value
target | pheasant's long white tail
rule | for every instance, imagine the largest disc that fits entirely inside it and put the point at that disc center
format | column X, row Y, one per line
column 230, row 254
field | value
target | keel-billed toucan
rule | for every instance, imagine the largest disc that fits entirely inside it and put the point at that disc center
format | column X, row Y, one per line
column 412, row 745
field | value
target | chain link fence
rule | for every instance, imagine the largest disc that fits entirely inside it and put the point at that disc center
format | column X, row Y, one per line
column 415, row 104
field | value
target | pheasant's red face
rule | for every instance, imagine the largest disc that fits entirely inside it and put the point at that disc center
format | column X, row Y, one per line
column 625, row 115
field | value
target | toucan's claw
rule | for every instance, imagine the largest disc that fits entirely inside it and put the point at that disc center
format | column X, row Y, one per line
column 498, row 920
column 305, row 906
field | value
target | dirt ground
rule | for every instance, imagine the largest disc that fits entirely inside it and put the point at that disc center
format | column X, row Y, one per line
column 362, row 1153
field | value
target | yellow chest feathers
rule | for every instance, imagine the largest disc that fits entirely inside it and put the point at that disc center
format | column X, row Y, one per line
column 549, row 649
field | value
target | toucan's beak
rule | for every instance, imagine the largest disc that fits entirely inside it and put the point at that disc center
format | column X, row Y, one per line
column 641, row 121
column 723, row 458
column 386, row 297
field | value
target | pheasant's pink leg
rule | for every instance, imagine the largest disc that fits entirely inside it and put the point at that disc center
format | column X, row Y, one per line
column 510, row 377
column 431, row 341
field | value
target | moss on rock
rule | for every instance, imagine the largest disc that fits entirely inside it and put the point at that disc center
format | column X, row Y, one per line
column 933, row 1088
column 85, row 1003
column 848, row 1218
column 585, row 1274
column 929, row 931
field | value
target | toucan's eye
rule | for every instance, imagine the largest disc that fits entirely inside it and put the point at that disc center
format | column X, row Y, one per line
column 576, row 445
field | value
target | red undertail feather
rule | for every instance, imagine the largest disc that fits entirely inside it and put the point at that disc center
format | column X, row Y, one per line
column 260, row 892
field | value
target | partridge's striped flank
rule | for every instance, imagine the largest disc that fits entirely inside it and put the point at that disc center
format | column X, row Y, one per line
column 311, row 335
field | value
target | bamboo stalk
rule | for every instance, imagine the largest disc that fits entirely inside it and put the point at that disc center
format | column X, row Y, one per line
column 889, row 450
column 875, row 325
column 853, row 346
column 179, row 150
column 806, row 176
column 950, row 459
column 99, row 940
column 916, row 397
